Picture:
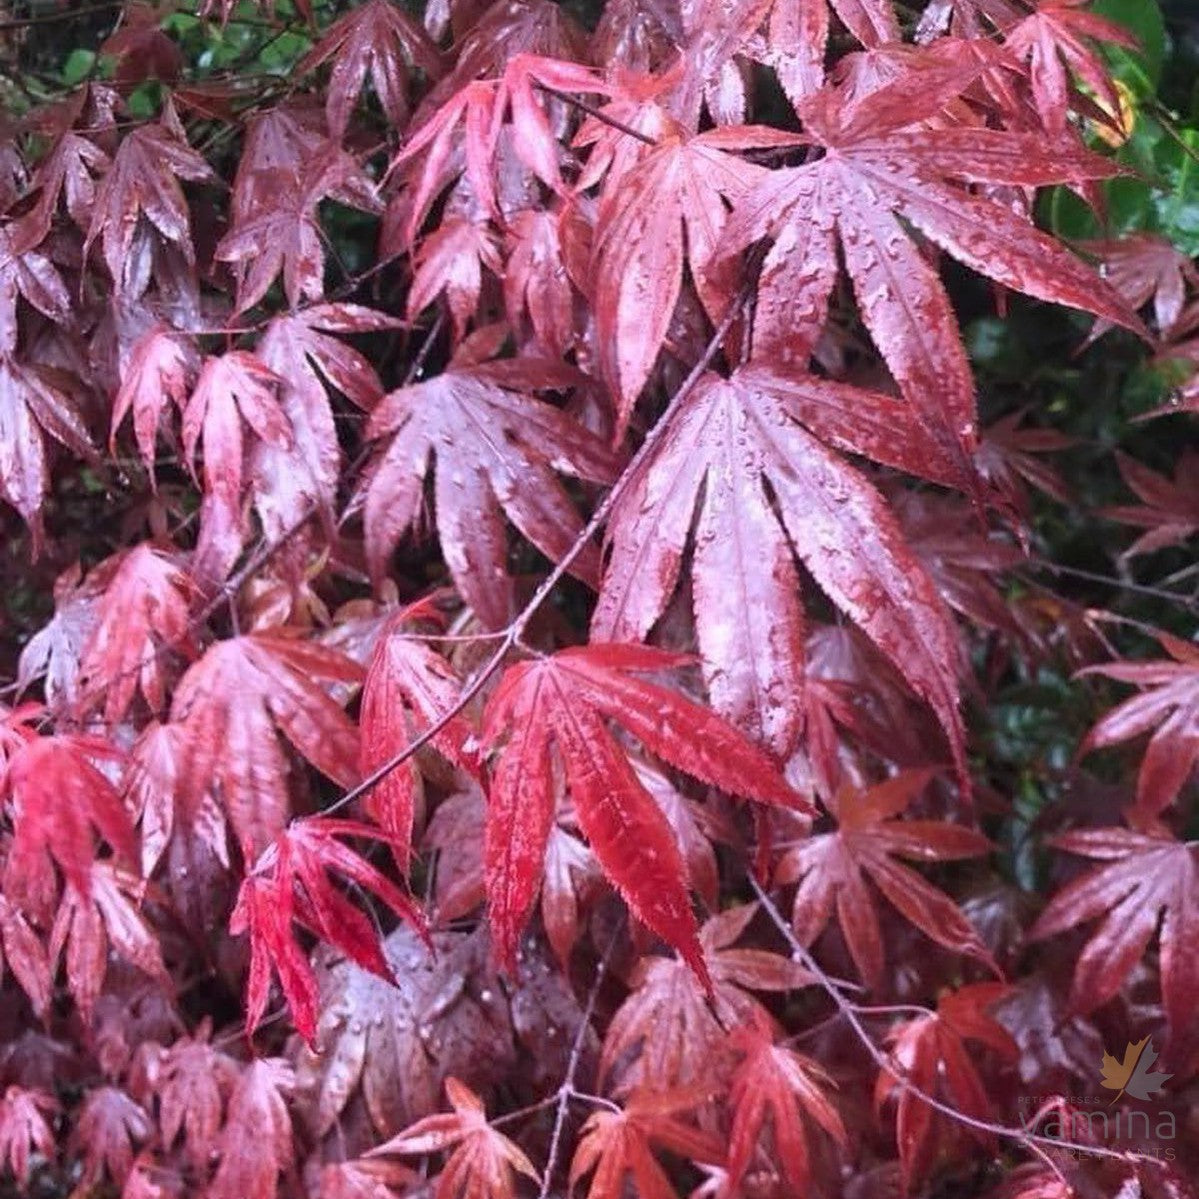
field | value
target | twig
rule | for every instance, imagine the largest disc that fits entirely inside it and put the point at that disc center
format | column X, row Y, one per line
column 592, row 111
column 1090, row 576
column 567, row 1091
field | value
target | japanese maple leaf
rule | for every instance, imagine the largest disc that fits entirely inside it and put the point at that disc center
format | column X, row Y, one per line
column 25, row 958
column 571, row 876
column 232, row 389
column 1054, row 41
column 106, row 1129
column 617, row 1145
column 832, row 871
column 156, row 795
column 306, row 357
column 143, row 612
column 282, row 138
column 463, row 135
column 776, row 1083
column 284, row 234
column 191, row 1081
column 378, row 38
column 140, row 191
column 68, row 172
column 667, row 211
column 59, row 800
column 1169, row 509
column 1144, row 878
column 257, row 1143
column 481, row 1163
column 162, row 367
column 1009, row 455
column 52, row 654
column 964, row 560
column 386, row 1048
column 233, row 703
column 450, row 262
column 142, row 48
column 668, row 1032
column 90, row 923
column 408, row 688
column 29, row 274
column 537, row 289
column 881, row 172
column 930, row 1053
column 561, row 703
column 496, row 449
column 38, row 405
column 1144, row 268
column 290, row 882
column 797, row 38
column 706, row 484
column 1167, row 707
column 24, row 1129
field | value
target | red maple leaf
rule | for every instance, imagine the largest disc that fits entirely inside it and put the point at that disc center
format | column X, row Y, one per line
column 38, row 405
column 25, row 957
column 562, row 702
column 229, row 705
column 257, row 1143
column 667, row 212
column 162, row 367
column 1169, row 509
column 1167, row 707
column 24, row 1129
column 731, row 440
column 378, row 38
column 472, row 121
column 289, row 882
column 27, row 273
column 931, row 1055
column 880, row 166
column 481, row 1163
column 670, row 1032
column 59, row 800
column 283, row 235
column 450, row 262
column 776, row 1083
column 496, row 448
column 832, row 871
column 1054, row 41
column 140, row 193
column 292, row 480
column 105, row 1132
column 192, row 1082
column 617, row 1145
column 408, row 688
column 90, row 923
column 143, row 612
column 1144, row 267
column 1145, row 878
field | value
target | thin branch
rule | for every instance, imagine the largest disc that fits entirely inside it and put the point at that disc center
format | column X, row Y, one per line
column 55, row 17
column 567, row 1091
column 592, row 111
column 1090, row 576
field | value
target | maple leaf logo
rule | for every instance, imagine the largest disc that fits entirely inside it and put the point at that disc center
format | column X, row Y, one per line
column 1133, row 1075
